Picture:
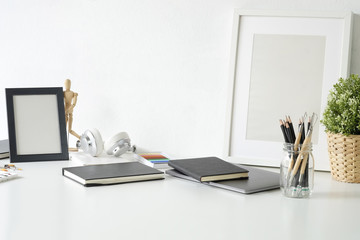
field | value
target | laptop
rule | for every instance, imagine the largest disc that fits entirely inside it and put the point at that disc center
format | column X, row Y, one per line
column 259, row 180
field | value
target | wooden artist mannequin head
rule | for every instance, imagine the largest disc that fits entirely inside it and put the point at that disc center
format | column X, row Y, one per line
column 70, row 99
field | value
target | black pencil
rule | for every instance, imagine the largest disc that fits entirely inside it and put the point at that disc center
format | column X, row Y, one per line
column 288, row 132
column 283, row 131
column 292, row 132
column 303, row 133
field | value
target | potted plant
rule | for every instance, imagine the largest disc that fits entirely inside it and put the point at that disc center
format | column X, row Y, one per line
column 341, row 119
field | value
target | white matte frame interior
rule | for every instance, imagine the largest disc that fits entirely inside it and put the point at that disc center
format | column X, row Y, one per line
column 36, row 110
column 335, row 26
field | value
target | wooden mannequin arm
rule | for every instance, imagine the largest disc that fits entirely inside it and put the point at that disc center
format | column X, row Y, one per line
column 74, row 100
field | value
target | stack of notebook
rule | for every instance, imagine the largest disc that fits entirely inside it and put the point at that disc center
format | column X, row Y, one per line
column 208, row 169
column 219, row 173
column 153, row 159
column 4, row 149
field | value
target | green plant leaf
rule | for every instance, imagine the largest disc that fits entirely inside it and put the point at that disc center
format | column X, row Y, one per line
column 342, row 113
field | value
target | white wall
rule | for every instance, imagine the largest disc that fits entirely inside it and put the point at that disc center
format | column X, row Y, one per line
column 157, row 69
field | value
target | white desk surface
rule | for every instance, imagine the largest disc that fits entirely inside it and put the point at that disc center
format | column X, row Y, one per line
column 43, row 204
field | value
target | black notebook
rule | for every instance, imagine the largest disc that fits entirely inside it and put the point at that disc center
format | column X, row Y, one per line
column 208, row 169
column 112, row 173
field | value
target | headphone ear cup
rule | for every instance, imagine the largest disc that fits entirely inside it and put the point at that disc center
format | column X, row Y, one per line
column 98, row 142
column 117, row 144
column 91, row 142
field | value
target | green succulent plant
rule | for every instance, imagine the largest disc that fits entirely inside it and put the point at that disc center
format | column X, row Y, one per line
column 342, row 113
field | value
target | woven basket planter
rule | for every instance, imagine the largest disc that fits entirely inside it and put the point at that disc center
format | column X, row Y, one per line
column 344, row 153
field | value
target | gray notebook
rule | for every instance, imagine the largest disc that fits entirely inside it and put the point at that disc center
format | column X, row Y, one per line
column 102, row 174
column 4, row 149
column 259, row 180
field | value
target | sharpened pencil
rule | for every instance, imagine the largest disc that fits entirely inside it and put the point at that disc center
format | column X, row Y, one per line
column 283, row 131
column 292, row 132
column 288, row 132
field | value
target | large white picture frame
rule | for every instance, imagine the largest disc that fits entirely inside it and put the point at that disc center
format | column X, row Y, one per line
column 282, row 63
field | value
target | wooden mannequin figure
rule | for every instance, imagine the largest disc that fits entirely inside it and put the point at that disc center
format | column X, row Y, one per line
column 70, row 99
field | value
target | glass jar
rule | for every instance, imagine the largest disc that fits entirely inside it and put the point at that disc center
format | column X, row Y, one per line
column 297, row 171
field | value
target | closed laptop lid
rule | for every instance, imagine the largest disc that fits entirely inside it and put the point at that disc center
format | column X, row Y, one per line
column 259, row 180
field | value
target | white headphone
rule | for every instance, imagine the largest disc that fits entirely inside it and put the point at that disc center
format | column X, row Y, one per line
column 91, row 142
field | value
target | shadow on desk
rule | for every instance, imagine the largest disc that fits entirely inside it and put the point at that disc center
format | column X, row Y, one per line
column 335, row 195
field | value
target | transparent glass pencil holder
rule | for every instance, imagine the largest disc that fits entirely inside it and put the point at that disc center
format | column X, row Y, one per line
column 297, row 171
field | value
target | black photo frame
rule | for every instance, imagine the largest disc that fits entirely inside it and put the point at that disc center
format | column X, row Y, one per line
column 36, row 124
